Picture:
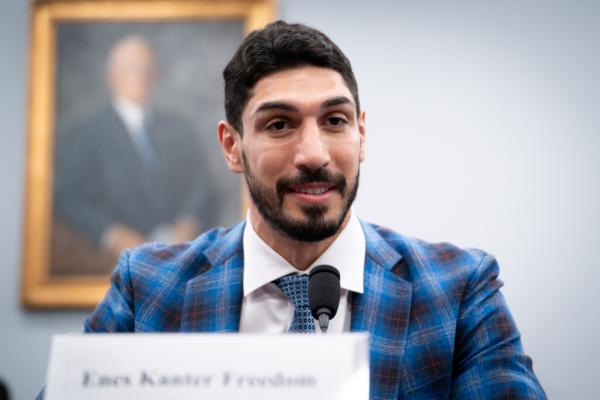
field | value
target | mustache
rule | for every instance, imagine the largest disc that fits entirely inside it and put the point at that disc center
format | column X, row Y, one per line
column 309, row 176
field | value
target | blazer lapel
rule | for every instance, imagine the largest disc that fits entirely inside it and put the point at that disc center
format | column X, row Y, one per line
column 383, row 310
column 213, row 299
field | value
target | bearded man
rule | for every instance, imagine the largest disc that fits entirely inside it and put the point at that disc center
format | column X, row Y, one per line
column 439, row 325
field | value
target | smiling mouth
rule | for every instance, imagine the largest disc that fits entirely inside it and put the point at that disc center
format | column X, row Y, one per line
column 313, row 189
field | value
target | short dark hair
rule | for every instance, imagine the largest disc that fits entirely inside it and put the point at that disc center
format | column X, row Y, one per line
column 277, row 47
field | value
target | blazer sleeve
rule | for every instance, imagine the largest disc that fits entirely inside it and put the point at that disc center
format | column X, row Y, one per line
column 489, row 362
column 115, row 313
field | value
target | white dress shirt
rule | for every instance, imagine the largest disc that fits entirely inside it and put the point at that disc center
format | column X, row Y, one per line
column 131, row 114
column 266, row 309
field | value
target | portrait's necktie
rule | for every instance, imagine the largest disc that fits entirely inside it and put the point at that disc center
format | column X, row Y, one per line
column 144, row 146
column 295, row 287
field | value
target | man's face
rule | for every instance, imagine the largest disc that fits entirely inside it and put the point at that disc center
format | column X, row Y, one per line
column 301, row 149
column 131, row 71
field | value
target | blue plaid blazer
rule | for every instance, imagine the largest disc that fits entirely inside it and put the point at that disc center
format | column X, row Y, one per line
column 439, row 325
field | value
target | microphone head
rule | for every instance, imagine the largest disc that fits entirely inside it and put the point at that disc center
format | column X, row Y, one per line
column 324, row 291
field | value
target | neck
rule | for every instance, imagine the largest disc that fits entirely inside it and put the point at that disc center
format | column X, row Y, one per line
column 123, row 101
column 300, row 255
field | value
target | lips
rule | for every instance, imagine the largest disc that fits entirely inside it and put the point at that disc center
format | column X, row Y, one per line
column 313, row 188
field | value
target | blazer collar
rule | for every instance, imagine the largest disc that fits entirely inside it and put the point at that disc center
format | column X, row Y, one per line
column 383, row 310
column 213, row 299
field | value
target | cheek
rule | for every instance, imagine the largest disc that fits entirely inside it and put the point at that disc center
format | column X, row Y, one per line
column 267, row 164
column 346, row 156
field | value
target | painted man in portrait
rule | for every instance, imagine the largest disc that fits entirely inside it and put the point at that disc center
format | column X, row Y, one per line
column 130, row 173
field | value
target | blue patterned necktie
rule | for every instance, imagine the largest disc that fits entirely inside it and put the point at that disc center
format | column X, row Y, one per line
column 295, row 288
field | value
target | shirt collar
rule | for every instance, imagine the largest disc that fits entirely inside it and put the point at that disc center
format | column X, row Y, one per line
column 131, row 113
column 263, row 265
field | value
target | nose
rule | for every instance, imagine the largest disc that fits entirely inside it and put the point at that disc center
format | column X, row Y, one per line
column 312, row 151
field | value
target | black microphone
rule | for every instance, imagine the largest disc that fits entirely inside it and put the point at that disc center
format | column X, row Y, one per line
column 324, row 294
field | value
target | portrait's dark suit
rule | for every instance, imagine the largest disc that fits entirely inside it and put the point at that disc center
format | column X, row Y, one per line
column 439, row 326
column 101, row 179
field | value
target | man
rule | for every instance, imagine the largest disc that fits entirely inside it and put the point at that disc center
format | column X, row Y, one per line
column 132, row 173
column 439, row 325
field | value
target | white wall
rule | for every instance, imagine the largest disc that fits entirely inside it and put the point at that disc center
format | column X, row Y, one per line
column 482, row 130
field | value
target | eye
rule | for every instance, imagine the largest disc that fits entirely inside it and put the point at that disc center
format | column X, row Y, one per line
column 277, row 125
column 336, row 121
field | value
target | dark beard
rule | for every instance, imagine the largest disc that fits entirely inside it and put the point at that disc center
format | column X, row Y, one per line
column 314, row 227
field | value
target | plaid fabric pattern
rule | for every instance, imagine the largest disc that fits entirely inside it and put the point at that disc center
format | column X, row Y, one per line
column 439, row 325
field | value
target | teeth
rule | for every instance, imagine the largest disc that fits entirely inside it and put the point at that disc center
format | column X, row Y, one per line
column 312, row 190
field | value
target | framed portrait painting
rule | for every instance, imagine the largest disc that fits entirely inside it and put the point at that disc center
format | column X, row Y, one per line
column 124, row 101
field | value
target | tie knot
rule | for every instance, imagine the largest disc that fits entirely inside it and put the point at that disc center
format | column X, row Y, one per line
column 295, row 287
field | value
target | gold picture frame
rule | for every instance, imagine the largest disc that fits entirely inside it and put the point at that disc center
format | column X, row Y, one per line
column 41, row 289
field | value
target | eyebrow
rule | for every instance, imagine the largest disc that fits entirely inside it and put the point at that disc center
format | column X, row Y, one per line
column 278, row 105
column 336, row 101
column 275, row 105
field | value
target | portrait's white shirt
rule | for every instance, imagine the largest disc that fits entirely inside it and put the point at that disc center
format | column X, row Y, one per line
column 266, row 309
column 131, row 114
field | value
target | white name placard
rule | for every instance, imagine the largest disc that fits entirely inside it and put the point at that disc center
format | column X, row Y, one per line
column 208, row 366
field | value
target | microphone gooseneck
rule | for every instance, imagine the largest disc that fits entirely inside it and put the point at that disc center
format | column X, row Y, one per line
column 324, row 294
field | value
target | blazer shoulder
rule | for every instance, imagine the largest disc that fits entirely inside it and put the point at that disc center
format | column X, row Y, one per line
column 149, row 284
column 424, row 259
column 180, row 262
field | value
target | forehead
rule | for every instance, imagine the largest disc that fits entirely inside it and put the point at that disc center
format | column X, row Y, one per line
column 301, row 87
column 130, row 53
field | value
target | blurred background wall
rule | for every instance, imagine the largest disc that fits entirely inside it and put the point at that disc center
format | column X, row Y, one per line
column 483, row 130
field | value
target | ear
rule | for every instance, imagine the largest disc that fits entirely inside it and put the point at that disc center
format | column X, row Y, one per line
column 362, row 134
column 231, row 146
